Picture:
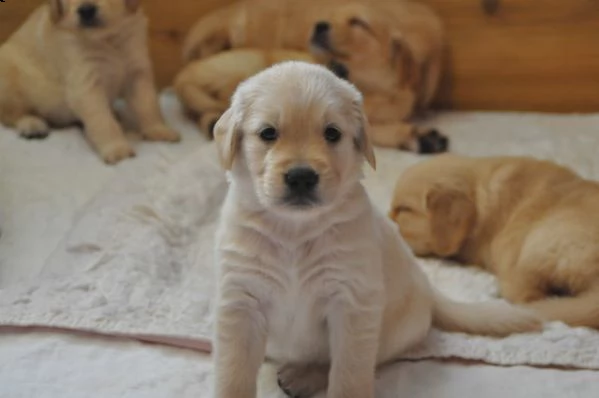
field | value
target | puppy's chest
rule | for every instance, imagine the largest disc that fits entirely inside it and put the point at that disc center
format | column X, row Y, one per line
column 296, row 316
column 111, row 69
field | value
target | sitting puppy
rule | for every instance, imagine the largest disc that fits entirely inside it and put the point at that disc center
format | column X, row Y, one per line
column 69, row 62
column 393, row 51
column 312, row 276
column 532, row 223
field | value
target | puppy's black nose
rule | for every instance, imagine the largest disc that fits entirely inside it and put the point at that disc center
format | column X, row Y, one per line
column 321, row 27
column 87, row 13
column 301, row 180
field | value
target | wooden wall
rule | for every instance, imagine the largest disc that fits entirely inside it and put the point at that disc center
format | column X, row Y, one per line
column 538, row 55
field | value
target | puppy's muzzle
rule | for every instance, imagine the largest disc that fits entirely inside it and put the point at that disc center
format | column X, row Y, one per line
column 88, row 15
column 302, row 184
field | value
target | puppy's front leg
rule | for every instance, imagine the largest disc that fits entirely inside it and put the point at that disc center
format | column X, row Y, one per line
column 240, row 343
column 354, row 334
column 101, row 128
column 142, row 99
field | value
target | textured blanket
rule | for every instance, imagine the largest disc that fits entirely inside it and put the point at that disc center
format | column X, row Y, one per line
column 139, row 262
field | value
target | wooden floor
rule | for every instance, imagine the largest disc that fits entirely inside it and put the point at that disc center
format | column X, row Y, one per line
column 527, row 55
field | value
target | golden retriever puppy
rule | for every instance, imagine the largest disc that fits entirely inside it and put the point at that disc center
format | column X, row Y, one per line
column 393, row 51
column 312, row 276
column 532, row 223
column 69, row 62
column 205, row 86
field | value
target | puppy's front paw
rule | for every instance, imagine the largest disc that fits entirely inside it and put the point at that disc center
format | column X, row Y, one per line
column 161, row 132
column 303, row 381
column 33, row 128
column 432, row 142
column 114, row 152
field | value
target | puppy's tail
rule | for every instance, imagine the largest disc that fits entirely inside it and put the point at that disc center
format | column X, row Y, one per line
column 581, row 310
column 493, row 318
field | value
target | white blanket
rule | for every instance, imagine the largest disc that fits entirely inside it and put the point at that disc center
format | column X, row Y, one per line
column 145, row 269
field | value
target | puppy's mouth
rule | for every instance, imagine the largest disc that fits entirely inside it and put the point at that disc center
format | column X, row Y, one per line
column 301, row 202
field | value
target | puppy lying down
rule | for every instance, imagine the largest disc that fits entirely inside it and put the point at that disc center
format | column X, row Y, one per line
column 312, row 277
column 205, row 86
column 69, row 62
column 532, row 223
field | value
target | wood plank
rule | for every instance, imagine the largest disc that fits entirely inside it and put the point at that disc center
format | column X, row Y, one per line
column 531, row 55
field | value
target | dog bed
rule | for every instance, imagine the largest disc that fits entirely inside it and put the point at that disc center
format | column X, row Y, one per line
column 137, row 264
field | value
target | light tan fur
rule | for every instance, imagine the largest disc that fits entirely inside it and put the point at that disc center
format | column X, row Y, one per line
column 327, row 285
column 393, row 50
column 532, row 223
column 55, row 71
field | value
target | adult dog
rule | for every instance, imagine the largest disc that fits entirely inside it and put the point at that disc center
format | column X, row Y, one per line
column 69, row 62
column 532, row 223
column 392, row 50
column 311, row 275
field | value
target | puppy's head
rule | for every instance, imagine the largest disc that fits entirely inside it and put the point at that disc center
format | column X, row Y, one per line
column 295, row 136
column 91, row 15
column 433, row 205
column 366, row 42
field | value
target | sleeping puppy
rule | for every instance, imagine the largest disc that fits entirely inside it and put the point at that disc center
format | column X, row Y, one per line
column 205, row 86
column 69, row 62
column 312, row 276
column 393, row 51
column 532, row 223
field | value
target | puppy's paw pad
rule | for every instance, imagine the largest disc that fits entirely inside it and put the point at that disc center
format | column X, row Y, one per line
column 162, row 133
column 114, row 153
column 302, row 381
column 33, row 128
column 432, row 141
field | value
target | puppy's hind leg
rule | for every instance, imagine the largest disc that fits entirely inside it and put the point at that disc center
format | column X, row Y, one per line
column 14, row 114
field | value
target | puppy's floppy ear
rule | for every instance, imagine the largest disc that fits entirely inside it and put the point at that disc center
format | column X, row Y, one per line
column 56, row 10
column 402, row 58
column 362, row 141
column 132, row 5
column 227, row 137
column 453, row 215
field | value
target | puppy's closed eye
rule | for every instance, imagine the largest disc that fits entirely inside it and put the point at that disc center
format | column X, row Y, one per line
column 359, row 23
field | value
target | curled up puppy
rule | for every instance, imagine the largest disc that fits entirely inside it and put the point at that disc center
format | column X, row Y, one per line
column 311, row 276
column 69, row 62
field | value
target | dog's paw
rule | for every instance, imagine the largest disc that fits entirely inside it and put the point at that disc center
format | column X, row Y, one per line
column 113, row 153
column 432, row 142
column 33, row 128
column 302, row 381
column 161, row 132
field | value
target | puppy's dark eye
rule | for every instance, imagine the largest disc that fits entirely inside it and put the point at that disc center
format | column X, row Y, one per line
column 332, row 135
column 269, row 134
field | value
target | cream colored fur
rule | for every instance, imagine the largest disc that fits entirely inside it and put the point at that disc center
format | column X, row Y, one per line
column 327, row 291
column 532, row 223
column 54, row 72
